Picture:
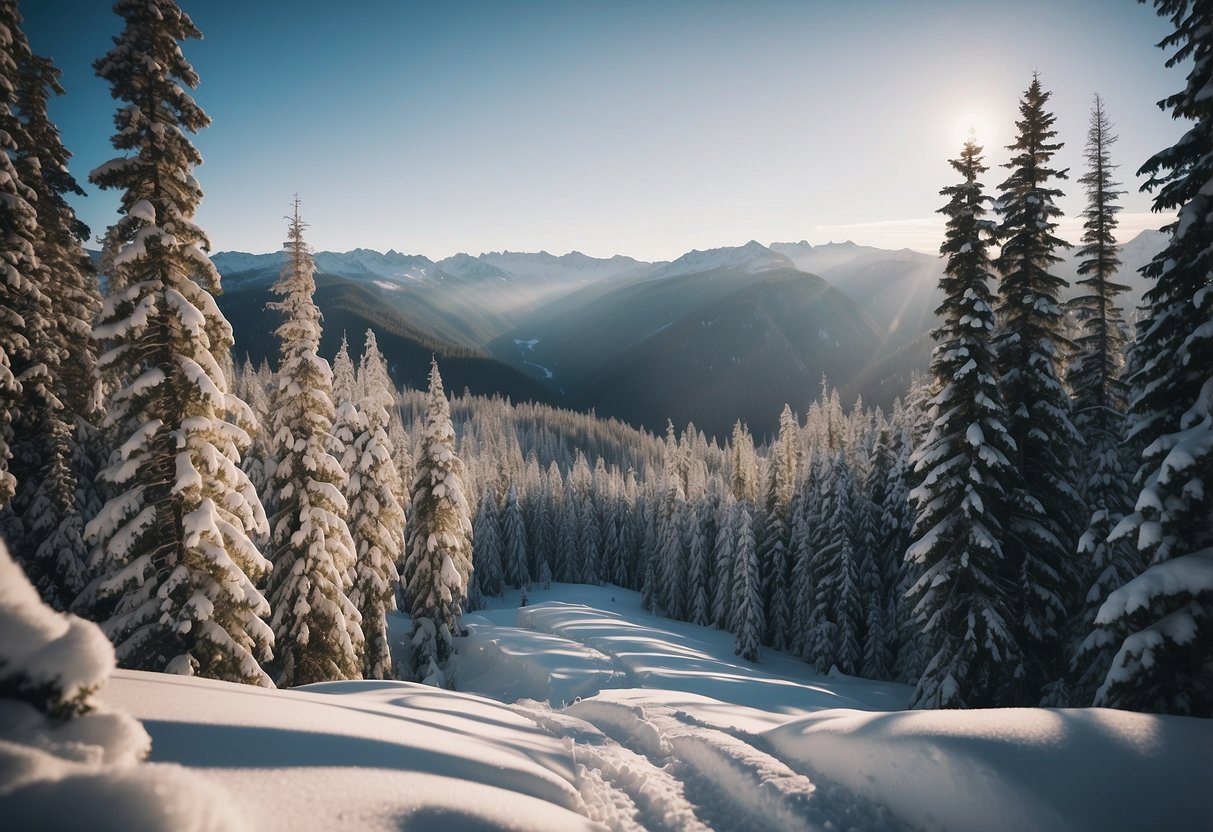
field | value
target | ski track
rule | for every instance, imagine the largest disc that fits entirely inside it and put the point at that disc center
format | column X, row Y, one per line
column 647, row 765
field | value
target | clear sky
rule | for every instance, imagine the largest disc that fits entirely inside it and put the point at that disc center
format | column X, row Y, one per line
column 617, row 127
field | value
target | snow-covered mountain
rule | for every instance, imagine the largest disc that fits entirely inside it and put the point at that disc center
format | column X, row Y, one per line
column 466, row 267
column 369, row 262
column 753, row 257
column 571, row 266
column 817, row 259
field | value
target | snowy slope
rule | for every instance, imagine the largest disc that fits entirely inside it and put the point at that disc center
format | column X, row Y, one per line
column 581, row 708
column 358, row 755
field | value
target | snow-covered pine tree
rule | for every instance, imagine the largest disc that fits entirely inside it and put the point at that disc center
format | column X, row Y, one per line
column 567, row 556
column 671, row 553
column 257, row 461
column 347, row 414
column 17, row 257
column 439, row 542
column 774, row 556
column 514, row 542
column 1047, row 515
column 1100, row 402
column 723, row 559
column 1162, row 620
column 317, row 626
column 174, row 542
column 590, row 537
column 743, row 476
column 747, row 622
column 376, row 518
column 487, row 550
column 697, row 564
column 44, row 524
column 820, row 641
column 800, row 590
column 837, row 574
column 963, row 599
column 888, row 525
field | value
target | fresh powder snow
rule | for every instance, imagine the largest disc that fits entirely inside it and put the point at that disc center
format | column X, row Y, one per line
column 583, row 711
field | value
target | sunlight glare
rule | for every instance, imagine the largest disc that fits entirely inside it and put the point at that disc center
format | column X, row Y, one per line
column 972, row 121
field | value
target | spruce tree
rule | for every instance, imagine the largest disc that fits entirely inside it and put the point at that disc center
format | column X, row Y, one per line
column 697, row 565
column 376, row 519
column 174, row 542
column 44, row 525
column 747, row 623
column 671, row 553
column 317, row 626
column 774, row 556
column 1047, row 514
column 486, row 548
column 514, row 542
column 838, row 579
column 439, row 543
column 1161, row 622
column 1100, row 402
column 17, row 257
column 963, row 599
column 347, row 415
column 723, row 558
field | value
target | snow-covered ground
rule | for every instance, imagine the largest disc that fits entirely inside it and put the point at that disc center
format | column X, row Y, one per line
column 580, row 708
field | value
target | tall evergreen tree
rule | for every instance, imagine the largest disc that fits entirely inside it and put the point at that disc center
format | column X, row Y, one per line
column 838, row 580
column 671, row 553
column 376, row 518
column 317, row 626
column 439, row 543
column 1162, row 620
column 724, row 559
column 1100, row 397
column 514, row 542
column 486, row 548
column 45, row 523
column 17, row 257
column 747, row 599
column 963, row 599
column 697, row 565
column 1047, row 515
column 174, row 542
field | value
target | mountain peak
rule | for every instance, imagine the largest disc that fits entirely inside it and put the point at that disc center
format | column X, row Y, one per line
column 752, row 257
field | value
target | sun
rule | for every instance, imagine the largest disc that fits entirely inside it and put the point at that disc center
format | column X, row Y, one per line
column 972, row 123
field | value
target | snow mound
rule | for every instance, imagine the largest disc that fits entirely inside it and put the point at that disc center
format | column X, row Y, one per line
column 359, row 755
column 51, row 660
column 1014, row 769
column 64, row 762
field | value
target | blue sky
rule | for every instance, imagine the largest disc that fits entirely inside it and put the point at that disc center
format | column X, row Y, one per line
column 641, row 128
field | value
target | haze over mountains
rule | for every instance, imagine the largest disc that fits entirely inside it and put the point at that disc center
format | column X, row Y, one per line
column 713, row 336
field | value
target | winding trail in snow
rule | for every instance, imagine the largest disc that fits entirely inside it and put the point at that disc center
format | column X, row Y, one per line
column 645, row 763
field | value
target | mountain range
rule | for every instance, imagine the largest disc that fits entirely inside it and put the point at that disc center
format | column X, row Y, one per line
column 711, row 337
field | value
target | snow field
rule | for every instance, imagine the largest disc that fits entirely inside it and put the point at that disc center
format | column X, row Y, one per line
column 612, row 726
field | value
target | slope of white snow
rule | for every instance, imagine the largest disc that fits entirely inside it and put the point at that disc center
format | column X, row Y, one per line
column 359, row 755
column 1016, row 768
column 581, row 709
